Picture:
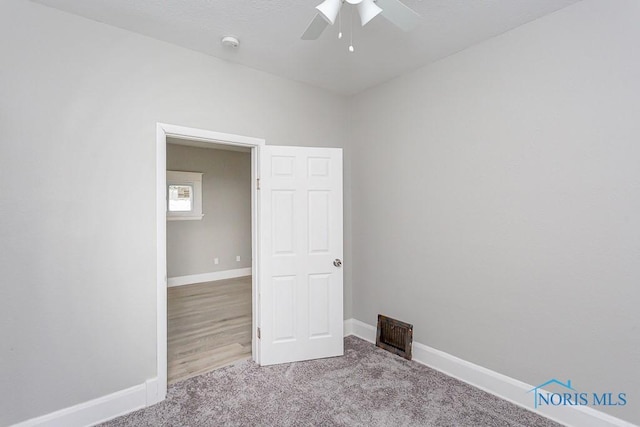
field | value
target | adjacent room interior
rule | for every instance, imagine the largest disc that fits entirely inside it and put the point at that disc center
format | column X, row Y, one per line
column 208, row 257
column 490, row 199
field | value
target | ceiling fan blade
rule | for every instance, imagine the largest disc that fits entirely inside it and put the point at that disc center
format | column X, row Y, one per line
column 399, row 14
column 315, row 28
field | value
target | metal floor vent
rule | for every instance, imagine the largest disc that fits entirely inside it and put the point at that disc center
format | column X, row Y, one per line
column 394, row 336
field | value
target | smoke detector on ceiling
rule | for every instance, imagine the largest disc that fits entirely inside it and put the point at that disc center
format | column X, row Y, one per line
column 230, row 41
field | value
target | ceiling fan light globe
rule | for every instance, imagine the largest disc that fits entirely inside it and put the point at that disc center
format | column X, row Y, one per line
column 329, row 9
column 368, row 10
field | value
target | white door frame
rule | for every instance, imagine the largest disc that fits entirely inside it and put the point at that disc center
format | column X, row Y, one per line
column 201, row 135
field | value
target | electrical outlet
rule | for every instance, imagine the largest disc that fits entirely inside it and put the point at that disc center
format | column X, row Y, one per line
column 216, row 261
column 238, row 258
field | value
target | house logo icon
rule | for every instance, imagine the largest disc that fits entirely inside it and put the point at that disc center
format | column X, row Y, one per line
column 537, row 392
column 569, row 396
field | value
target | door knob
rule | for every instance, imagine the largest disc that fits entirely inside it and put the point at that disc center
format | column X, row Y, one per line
column 337, row 262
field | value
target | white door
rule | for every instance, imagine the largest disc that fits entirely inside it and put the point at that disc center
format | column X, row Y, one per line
column 300, row 246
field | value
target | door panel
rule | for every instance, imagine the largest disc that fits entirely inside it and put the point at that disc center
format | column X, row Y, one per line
column 283, row 223
column 284, row 308
column 300, row 202
column 319, row 305
column 319, row 218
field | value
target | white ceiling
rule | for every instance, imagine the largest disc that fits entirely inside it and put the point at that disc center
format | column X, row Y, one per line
column 269, row 33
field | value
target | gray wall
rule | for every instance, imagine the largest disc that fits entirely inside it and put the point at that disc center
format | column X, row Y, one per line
column 498, row 199
column 496, row 196
column 225, row 229
column 79, row 103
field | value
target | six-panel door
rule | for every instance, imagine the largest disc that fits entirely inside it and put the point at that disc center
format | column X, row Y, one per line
column 300, row 237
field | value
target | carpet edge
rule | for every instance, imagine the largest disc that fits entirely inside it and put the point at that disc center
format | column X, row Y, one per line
column 131, row 399
column 500, row 385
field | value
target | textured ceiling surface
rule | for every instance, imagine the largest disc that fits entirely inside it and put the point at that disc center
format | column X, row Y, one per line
column 269, row 33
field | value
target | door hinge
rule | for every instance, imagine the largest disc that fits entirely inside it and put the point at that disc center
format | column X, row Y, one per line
column 258, row 185
column 258, row 333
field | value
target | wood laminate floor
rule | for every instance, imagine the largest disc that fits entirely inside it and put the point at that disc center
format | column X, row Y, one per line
column 209, row 326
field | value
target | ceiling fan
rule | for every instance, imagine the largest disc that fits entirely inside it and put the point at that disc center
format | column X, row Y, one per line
column 400, row 15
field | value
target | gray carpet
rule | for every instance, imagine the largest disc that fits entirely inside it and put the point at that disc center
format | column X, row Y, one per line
column 366, row 387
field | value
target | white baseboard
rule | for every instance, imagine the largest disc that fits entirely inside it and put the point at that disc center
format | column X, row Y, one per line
column 152, row 392
column 97, row 410
column 505, row 387
column 348, row 327
column 362, row 330
column 125, row 401
column 208, row 277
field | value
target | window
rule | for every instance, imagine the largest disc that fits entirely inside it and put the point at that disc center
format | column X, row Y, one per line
column 180, row 198
column 184, row 195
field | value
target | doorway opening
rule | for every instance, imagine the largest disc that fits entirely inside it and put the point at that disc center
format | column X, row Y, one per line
column 296, row 245
column 208, row 257
column 242, row 280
